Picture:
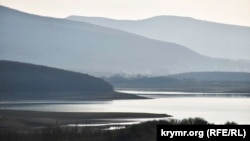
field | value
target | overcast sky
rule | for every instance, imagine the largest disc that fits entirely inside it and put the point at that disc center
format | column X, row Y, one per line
column 223, row 11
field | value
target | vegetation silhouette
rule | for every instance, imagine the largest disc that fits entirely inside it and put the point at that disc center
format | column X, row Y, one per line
column 145, row 131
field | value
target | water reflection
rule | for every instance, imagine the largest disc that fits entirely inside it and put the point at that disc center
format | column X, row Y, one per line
column 162, row 94
column 213, row 109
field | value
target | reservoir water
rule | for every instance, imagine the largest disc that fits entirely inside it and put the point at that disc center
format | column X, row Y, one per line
column 214, row 109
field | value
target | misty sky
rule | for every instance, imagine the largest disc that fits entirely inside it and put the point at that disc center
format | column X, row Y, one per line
column 223, row 11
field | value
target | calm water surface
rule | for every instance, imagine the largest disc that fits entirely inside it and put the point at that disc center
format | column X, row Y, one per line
column 213, row 109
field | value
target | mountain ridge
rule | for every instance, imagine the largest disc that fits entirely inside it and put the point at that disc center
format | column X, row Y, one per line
column 152, row 17
column 93, row 49
column 205, row 37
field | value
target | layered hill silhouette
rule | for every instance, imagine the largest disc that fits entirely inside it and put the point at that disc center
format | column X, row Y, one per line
column 207, row 38
column 97, row 50
column 28, row 81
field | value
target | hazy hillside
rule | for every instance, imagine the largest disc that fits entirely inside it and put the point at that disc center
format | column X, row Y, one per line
column 214, row 76
column 94, row 49
column 208, row 38
column 188, row 82
column 27, row 81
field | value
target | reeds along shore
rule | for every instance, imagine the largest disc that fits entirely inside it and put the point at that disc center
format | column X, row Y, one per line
column 145, row 131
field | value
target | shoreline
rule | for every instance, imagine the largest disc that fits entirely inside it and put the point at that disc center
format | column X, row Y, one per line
column 19, row 119
column 82, row 96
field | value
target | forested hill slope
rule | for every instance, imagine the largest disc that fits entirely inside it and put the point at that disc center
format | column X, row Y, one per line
column 27, row 77
column 28, row 81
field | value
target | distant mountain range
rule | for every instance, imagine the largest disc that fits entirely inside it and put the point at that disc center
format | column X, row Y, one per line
column 22, row 81
column 207, row 38
column 97, row 50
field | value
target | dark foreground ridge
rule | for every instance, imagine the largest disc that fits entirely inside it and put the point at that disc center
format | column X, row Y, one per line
column 22, row 81
column 138, row 132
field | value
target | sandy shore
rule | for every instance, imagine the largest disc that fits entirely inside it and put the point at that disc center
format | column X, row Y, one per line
column 33, row 119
